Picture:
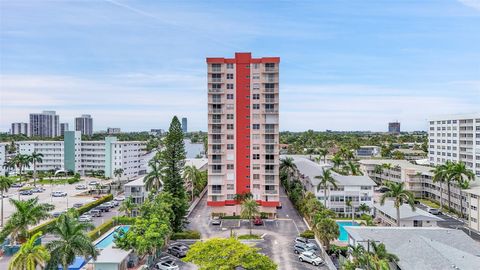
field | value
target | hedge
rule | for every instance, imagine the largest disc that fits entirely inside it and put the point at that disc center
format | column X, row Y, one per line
column 41, row 228
column 249, row 237
column 94, row 204
column 308, row 234
column 124, row 220
column 97, row 232
column 231, row 217
column 186, row 235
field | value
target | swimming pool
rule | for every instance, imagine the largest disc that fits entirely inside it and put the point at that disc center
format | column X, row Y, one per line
column 343, row 233
column 108, row 240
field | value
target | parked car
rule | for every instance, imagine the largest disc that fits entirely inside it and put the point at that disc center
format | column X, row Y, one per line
column 38, row 190
column 85, row 218
column 81, row 187
column 300, row 247
column 93, row 183
column 59, row 194
column 26, row 192
column 119, row 198
column 103, row 208
column 434, row 211
column 17, row 185
column 279, row 206
column 115, row 203
column 77, row 205
column 382, row 189
column 108, row 204
column 310, row 257
column 216, row 220
column 258, row 221
column 177, row 250
column 95, row 213
column 302, row 240
column 166, row 265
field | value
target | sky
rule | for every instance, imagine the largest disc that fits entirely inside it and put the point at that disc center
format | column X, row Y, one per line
column 345, row 65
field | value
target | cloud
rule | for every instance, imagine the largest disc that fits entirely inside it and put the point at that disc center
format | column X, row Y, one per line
column 471, row 3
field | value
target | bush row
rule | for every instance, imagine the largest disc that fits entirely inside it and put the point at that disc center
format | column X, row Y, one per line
column 186, row 235
column 103, row 228
column 124, row 220
column 94, row 204
column 309, row 234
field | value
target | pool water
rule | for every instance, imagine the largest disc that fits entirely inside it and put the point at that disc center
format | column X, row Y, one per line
column 343, row 233
column 108, row 240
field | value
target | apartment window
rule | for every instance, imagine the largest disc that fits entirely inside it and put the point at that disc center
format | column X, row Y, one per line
column 256, row 186
column 255, row 66
column 230, row 146
column 230, row 137
column 256, row 176
column 454, row 121
column 256, row 126
column 229, row 96
column 229, row 85
column 256, row 167
column 256, row 86
column 230, row 116
column 230, row 166
column 256, row 156
column 229, row 66
column 230, row 126
column 256, row 106
column 230, row 76
column 256, row 96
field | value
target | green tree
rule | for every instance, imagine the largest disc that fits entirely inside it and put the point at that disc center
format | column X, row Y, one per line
column 364, row 208
column 27, row 213
column 399, row 195
column 30, row 256
column 127, row 206
column 327, row 230
column 323, row 152
column 35, row 158
column 249, row 210
column 21, row 161
column 337, row 161
column 288, row 166
column 118, row 173
column 350, row 204
column 173, row 161
column 461, row 175
column 71, row 240
column 226, row 254
column 352, row 168
column 5, row 184
column 326, row 179
column 440, row 174
column 153, row 180
column 191, row 175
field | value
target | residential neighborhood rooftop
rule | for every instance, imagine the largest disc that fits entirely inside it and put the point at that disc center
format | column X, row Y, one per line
column 406, row 212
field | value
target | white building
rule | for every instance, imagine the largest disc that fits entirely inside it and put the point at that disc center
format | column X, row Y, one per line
column 473, row 207
column 368, row 151
column 417, row 248
column 455, row 138
column 52, row 151
column 3, row 157
column 357, row 189
column 387, row 214
column 20, row 128
column 136, row 190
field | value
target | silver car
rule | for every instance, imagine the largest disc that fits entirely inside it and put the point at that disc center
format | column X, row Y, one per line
column 166, row 265
column 310, row 257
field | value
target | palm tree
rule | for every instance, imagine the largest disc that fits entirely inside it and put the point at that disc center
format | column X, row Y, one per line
column 71, row 240
column 9, row 165
column 118, row 173
column 288, row 166
column 326, row 179
column 127, row 206
column 153, row 180
column 349, row 204
column 461, row 175
column 337, row 161
column 364, row 208
column 27, row 213
column 249, row 210
column 33, row 159
column 22, row 162
column 327, row 230
column 5, row 184
column 440, row 174
column 353, row 168
column 400, row 196
column 323, row 152
column 381, row 252
column 190, row 174
column 30, row 256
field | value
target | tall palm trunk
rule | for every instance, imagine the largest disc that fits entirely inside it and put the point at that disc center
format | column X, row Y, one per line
column 2, row 211
column 34, row 173
column 325, row 196
column 398, row 216
column 441, row 195
column 353, row 213
column 461, row 204
column 449, row 200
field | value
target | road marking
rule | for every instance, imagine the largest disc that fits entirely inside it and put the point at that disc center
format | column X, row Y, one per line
column 263, row 235
column 298, row 231
column 287, row 215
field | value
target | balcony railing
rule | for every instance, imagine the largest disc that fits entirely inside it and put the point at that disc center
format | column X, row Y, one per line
column 269, row 171
column 269, row 90
column 271, row 191
column 270, row 130
column 270, row 151
column 216, row 121
column 270, row 182
column 269, row 140
column 215, row 110
column 216, row 141
column 215, row 100
column 269, row 161
column 271, row 100
column 217, row 131
column 215, row 90
column 271, row 110
column 217, row 171
column 214, row 191
column 216, row 161
column 217, row 151
column 216, row 80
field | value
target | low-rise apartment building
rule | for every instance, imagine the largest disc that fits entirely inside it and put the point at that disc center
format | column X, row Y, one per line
column 387, row 215
column 368, row 151
column 473, row 206
column 357, row 189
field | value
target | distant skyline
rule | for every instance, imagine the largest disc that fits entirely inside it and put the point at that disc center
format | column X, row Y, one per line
column 345, row 65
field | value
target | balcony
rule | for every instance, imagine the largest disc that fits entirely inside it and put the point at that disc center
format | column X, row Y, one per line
column 270, row 161
column 270, row 111
column 216, row 151
column 218, row 111
column 271, row 79
column 270, row 69
column 270, row 182
column 269, row 90
column 216, row 161
column 216, row 121
column 216, row 191
column 217, row 131
column 216, row 172
column 215, row 80
column 269, row 171
column 271, row 191
column 216, row 90
column 270, row 141
column 271, row 100
column 271, row 151
column 270, row 130
column 215, row 100
column 215, row 141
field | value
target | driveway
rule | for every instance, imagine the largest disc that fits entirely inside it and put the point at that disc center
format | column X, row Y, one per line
column 278, row 235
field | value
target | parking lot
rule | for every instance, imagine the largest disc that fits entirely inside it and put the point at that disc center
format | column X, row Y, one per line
column 278, row 235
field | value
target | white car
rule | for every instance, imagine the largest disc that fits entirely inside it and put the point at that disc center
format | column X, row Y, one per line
column 310, row 257
column 94, row 183
column 81, row 187
column 166, row 265
column 59, row 194
column 434, row 211
column 85, row 218
column 119, row 199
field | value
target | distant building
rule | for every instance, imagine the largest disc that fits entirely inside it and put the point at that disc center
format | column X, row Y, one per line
column 84, row 124
column 63, row 128
column 45, row 124
column 3, row 158
column 156, row 131
column 369, row 151
column 113, row 130
column 387, row 214
column 19, row 129
column 455, row 138
column 473, row 208
column 394, row 127
column 184, row 125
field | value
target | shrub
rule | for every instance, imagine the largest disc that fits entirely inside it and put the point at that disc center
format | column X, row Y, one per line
column 263, row 215
column 73, row 180
column 42, row 228
column 334, row 249
column 96, row 203
column 309, row 234
column 231, row 217
column 186, row 235
column 103, row 228
column 124, row 220
column 248, row 236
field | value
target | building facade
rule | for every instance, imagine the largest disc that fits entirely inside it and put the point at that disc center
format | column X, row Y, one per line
column 386, row 214
column 3, row 158
column 394, row 127
column 113, row 130
column 63, row 128
column 20, row 129
column 184, row 125
column 45, row 124
column 455, row 138
column 243, row 140
column 84, row 124
column 473, row 208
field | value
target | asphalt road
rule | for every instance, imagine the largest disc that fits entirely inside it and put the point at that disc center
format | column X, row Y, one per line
column 278, row 235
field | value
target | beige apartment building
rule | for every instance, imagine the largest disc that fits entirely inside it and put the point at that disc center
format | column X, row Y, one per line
column 243, row 139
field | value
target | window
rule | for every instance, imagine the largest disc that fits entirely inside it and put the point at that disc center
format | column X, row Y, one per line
column 230, row 76
column 229, row 126
column 256, row 176
column 229, row 66
column 230, row 166
column 230, row 146
column 229, row 106
column 256, row 96
column 255, row 66
column 230, row 186
column 230, row 116
column 256, row 106
column 230, row 137
column 229, row 96
column 229, row 85
column 256, row 76
column 256, row 126
column 256, row 86
column 256, row 156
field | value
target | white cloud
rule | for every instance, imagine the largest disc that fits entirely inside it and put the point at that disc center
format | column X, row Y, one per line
column 471, row 3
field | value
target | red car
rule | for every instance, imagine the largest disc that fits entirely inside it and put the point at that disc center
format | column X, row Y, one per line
column 258, row 221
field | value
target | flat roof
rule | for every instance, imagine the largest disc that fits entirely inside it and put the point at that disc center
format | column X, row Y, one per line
column 406, row 212
column 423, row 247
column 199, row 163
column 135, row 183
column 112, row 255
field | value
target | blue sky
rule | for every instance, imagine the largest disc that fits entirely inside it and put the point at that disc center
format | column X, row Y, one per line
column 345, row 65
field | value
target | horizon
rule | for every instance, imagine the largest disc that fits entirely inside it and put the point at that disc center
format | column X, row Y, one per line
column 344, row 66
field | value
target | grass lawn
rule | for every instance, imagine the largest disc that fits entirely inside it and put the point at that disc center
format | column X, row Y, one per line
column 429, row 203
column 56, row 181
column 249, row 236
